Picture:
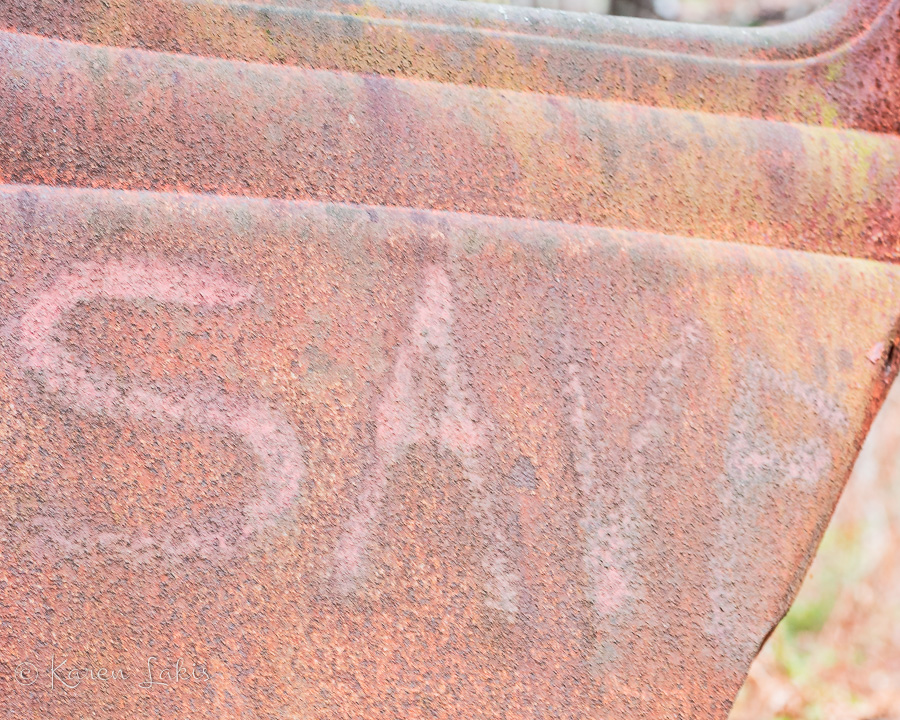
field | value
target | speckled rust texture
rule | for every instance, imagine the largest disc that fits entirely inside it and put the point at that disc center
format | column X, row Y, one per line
column 391, row 361
column 75, row 115
column 837, row 68
column 378, row 463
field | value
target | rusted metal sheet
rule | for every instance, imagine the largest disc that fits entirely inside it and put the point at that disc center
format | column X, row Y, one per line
column 138, row 120
column 838, row 67
column 365, row 461
column 329, row 394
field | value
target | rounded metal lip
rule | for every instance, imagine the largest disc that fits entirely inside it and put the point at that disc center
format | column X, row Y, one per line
column 827, row 69
column 838, row 23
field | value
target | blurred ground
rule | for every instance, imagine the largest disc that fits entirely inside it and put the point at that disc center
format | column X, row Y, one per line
column 836, row 655
column 716, row 12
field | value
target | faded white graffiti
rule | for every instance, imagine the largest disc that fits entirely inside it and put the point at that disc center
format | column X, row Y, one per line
column 616, row 511
column 760, row 471
column 607, row 553
column 456, row 423
column 91, row 390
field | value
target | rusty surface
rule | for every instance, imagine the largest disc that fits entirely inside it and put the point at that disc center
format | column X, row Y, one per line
column 139, row 120
column 367, row 462
column 519, row 384
column 836, row 68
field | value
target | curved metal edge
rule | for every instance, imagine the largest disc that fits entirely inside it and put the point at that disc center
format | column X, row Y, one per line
column 838, row 23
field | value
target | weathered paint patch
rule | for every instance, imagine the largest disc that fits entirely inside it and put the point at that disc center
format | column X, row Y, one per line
column 409, row 414
column 82, row 385
column 766, row 478
column 608, row 557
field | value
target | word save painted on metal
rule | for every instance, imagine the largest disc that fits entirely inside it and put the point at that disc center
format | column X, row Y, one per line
column 388, row 359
